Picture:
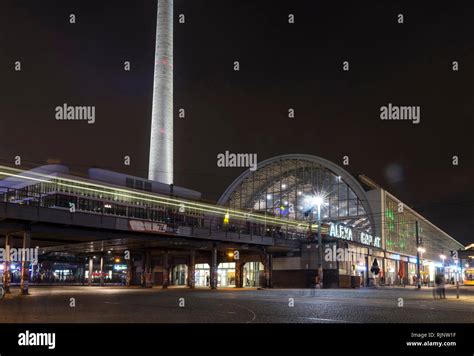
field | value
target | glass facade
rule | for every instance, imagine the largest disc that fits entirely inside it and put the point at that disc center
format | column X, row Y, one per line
column 252, row 274
column 179, row 273
column 285, row 189
column 400, row 228
column 400, row 233
column 226, row 274
column 202, row 273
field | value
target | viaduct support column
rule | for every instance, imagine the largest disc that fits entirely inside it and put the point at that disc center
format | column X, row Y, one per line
column 91, row 270
column 192, row 270
column 213, row 280
column 25, row 265
column 148, row 270
column 166, row 272
column 129, row 276
column 143, row 283
column 268, row 269
column 102, row 270
column 6, row 265
column 239, row 281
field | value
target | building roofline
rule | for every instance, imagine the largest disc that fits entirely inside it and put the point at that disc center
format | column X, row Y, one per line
column 348, row 178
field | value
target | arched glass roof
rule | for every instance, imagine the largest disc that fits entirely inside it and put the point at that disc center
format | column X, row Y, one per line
column 286, row 187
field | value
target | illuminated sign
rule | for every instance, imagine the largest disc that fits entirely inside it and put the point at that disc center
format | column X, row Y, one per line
column 99, row 274
column 368, row 239
column 120, row 267
column 339, row 231
column 347, row 233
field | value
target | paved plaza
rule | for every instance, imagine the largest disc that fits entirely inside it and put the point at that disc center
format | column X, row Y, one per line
column 48, row 304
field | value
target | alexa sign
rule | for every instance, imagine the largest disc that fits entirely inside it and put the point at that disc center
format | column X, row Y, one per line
column 346, row 233
column 341, row 232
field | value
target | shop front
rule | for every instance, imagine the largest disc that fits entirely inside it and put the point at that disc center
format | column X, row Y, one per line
column 179, row 275
column 252, row 274
column 375, row 264
column 412, row 271
column 391, row 268
column 226, row 274
column 202, row 275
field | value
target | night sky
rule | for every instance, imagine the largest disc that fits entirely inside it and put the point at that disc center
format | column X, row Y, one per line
column 282, row 66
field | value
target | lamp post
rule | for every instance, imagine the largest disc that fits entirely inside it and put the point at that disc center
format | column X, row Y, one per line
column 420, row 251
column 319, row 201
column 443, row 257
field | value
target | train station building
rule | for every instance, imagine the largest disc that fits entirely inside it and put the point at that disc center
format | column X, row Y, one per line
column 357, row 216
column 285, row 223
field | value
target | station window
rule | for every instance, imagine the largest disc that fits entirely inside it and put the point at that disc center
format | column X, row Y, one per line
column 139, row 184
column 129, row 182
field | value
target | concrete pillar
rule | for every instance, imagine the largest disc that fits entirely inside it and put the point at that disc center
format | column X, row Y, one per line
column 32, row 276
column 148, row 261
column 213, row 280
column 366, row 271
column 192, row 270
column 6, row 264
column 166, row 272
column 83, row 274
column 91, row 269
column 25, row 265
column 101, row 271
column 239, row 268
column 129, row 276
column 383, row 270
column 268, row 270
column 148, row 270
column 142, row 282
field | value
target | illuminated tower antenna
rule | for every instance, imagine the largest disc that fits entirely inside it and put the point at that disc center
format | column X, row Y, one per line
column 160, row 166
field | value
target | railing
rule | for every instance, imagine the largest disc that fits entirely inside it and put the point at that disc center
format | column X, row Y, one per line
column 172, row 219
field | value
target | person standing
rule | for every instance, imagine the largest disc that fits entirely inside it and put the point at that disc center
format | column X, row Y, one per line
column 442, row 291
column 437, row 290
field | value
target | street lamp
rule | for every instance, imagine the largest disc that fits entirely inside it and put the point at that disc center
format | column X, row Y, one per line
column 443, row 257
column 318, row 200
column 420, row 251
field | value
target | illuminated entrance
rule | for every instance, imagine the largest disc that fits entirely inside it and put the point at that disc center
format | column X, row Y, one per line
column 202, row 275
column 226, row 274
column 179, row 275
column 252, row 274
